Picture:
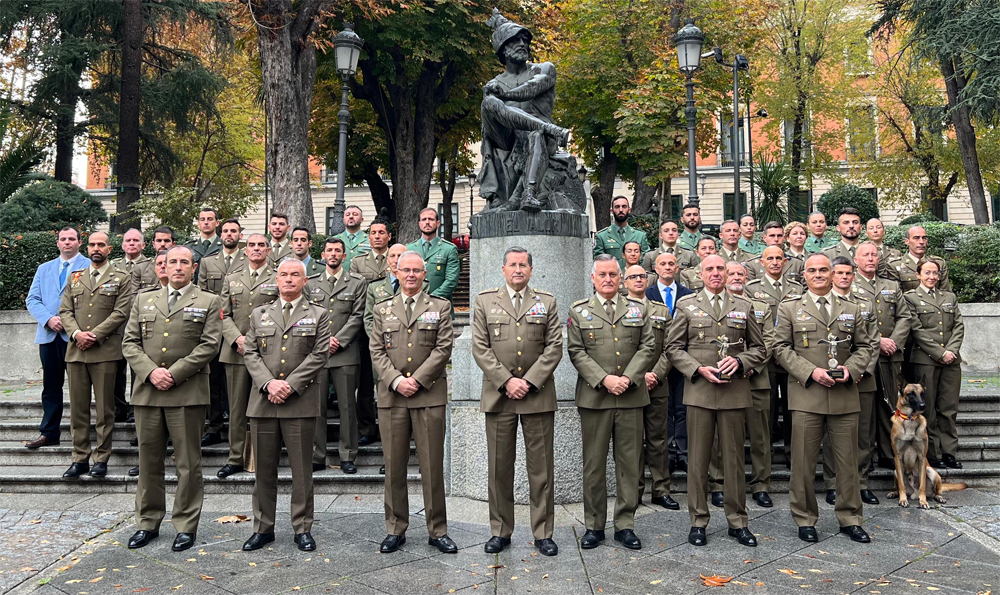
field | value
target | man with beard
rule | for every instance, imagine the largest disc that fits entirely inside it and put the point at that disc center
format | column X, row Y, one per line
column 93, row 310
column 903, row 269
column 301, row 245
column 691, row 218
column 281, row 245
column 612, row 239
column 229, row 260
column 849, row 226
column 440, row 257
column 355, row 241
column 209, row 242
column 669, row 234
column 373, row 265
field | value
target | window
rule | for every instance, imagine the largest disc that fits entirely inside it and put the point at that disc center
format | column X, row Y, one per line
column 726, row 146
column 327, row 176
column 862, row 132
column 873, row 192
column 330, row 220
column 798, row 205
column 728, row 210
column 858, row 58
column 454, row 219
column 673, row 208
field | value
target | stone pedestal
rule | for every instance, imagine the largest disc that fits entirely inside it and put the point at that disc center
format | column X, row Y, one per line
column 561, row 266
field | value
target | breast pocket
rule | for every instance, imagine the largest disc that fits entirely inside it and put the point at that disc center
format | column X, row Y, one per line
column 194, row 324
column 213, row 281
column 593, row 333
column 390, row 335
column 536, row 328
column 106, row 298
column 146, row 322
column 659, row 330
column 499, row 328
column 948, row 316
column 303, row 339
column 427, row 333
column 265, row 339
column 805, row 331
column 343, row 304
column 846, row 327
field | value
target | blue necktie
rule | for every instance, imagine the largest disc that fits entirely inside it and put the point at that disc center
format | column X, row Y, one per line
column 62, row 274
column 667, row 300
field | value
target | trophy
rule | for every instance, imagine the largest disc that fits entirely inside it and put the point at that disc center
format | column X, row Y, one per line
column 724, row 345
column 831, row 343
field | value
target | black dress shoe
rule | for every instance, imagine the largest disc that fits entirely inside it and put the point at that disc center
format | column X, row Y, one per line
column 666, row 502
column 141, row 539
column 381, row 470
column 257, row 541
column 134, row 471
column 134, row 441
column 76, row 470
column 348, row 467
column 744, row 536
column 591, row 539
column 936, row 463
column 183, row 541
column 99, row 470
column 229, row 469
column 868, row 497
column 211, row 438
column 856, row 533
column 831, row 497
column 391, row 543
column 808, row 534
column 444, row 544
column 318, row 467
column 305, row 542
column 496, row 544
column 629, row 539
column 366, row 440
column 131, row 417
column 763, row 499
column 697, row 536
column 717, row 499
column 546, row 547
column 951, row 462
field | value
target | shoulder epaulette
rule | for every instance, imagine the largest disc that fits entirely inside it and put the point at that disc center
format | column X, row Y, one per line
column 690, row 296
column 581, row 302
column 149, row 289
column 490, row 290
column 792, row 298
column 542, row 291
column 632, row 299
column 386, row 299
column 352, row 274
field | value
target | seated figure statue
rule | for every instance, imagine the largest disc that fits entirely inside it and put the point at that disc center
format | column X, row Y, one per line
column 521, row 167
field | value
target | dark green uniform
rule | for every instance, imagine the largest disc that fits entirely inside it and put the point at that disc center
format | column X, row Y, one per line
column 612, row 239
column 442, row 265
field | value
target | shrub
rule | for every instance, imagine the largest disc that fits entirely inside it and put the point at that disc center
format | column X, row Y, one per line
column 649, row 225
column 847, row 195
column 49, row 206
column 917, row 218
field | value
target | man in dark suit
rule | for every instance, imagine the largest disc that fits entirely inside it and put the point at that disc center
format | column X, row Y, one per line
column 667, row 291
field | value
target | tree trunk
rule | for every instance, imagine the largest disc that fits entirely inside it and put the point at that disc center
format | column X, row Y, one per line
column 965, row 134
column 128, row 119
column 288, row 68
column 642, row 201
column 381, row 194
column 605, row 190
column 446, row 175
column 665, row 202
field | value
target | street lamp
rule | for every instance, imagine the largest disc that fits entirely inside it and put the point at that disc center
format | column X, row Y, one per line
column 347, row 49
column 740, row 62
column 472, row 199
column 761, row 113
column 689, row 41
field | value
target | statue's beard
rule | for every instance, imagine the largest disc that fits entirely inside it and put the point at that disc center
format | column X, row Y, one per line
column 518, row 56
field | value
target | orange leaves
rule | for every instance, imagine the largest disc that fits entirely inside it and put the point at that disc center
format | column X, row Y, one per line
column 714, row 580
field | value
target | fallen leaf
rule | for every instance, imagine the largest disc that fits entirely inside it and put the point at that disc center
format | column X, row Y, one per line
column 822, row 552
column 656, row 582
column 496, row 566
column 132, row 566
column 253, row 564
column 928, row 588
column 232, row 518
column 190, row 560
column 175, row 588
column 513, row 578
column 28, row 569
column 545, row 576
column 35, row 522
column 741, row 583
column 205, row 577
column 296, row 588
column 64, row 568
column 787, row 571
column 814, row 570
column 96, row 580
column 74, row 581
column 760, row 584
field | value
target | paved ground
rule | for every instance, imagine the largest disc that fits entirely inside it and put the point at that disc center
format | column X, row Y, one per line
column 57, row 543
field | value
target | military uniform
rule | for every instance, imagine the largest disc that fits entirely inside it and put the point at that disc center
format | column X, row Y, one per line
column 654, row 415
column 202, row 248
column 183, row 339
column 792, row 269
column 379, row 291
column 121, row 404
column 612, row 239
column 375, row 269
column 936, row 327
column 738, row 255
column 353, row 246
column 689, row 241
column 95, row 303
column 814, row 244
column 884, row 254
column 290, row 344
column 800, row 327
column 279, row 253
column 214, row 269
column 691, row 278
column 415, row 344
column 714, row 407
column 903, row 270
column 371, row 266
column 443, row 266
column 344, row 300
column 518, row 341
column 685, row 258
column 841, row 249
column 241, row 295
column 752, row 247
column 314, row 268
column 600, row 344
column 144, row 276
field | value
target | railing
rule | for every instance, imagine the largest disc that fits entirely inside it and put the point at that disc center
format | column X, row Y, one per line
column 726, row 159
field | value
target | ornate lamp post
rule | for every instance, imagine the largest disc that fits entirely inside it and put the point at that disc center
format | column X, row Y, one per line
column 740, row 62
column 689, row 41
column 347, row 49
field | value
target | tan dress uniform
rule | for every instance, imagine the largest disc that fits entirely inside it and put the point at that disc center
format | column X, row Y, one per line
column 621, row 343
column 654, row 415
column 214, row 269
column 691, row 278
column 903, row 270
column 738, row 255
column 378, row 291
column 413, row 343
column 815, row 408
column 279, row 251
column 287, row 341
column 685, row 258
column 792, row 270
column 242, row 293
column 96, row 301
column 183, row 338
column 343, row 297
column 371, row 266
column 714, row 407
column 884, row 254
column 144, row 276
column 121, row 404
column 375, row 269
column 936, row 326
column 518, row 337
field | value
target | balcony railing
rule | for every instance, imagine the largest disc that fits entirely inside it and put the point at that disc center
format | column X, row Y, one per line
column 726, row 158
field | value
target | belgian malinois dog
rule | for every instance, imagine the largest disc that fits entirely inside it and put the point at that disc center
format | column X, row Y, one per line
column 909, row 448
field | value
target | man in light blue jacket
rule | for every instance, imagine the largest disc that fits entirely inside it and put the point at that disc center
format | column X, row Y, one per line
column 43, row 301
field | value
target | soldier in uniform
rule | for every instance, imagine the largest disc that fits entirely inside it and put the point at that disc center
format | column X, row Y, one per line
column 172, row 335
column 411, row 345
column 132, row 244
column 796, row 233
column 242, row 293
column 730, row 251
column 373, row 266
column 849, row 226
column 876, row 234
column 631, row 252
column 281, row 245
column 285, row 349
column 385, row 288
column 440, row 256
column 611, row 344
column 774, row 235
column 355, row 241
column 893, row 316
column 668, row 245
column 214, row 269
column 691, row 278
column 714, row 343
column 747, row 242
column 144, row 273
column 654, row 415
column 903, row 269
column 517, row 342
column 94, row 308
column 301, row 245
column 209, row 242
column 818, row 241
column 342, row 294
column 691, row 218
column 936, row 334
column 612, row 239
column 805, row 328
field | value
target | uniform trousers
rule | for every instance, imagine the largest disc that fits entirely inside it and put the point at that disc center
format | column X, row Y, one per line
column 623, row 428
column 501, row 443
column 942, row 385
column 345, row 384
column 677, row 437
column 866, row 441
column 779, row 406
column 807, row 435
column 82, row 377
column 218, row 397
column 427, row 426
column 758, row 424
column 184, row 425
column 240, row 384
column 366, row 413
column 654, row 419
column 121, row 403
column 702, row 427
column 267, row 435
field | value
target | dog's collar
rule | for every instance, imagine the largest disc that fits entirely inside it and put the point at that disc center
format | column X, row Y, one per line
column 901, row 415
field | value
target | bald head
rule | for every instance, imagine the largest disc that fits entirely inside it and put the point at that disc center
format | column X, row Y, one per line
column 773, row 261
column 818, row 274
column 635, row 281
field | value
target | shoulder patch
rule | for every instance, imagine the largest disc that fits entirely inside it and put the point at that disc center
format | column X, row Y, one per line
column 541, row 291
column 490, row 290
column 581, row 302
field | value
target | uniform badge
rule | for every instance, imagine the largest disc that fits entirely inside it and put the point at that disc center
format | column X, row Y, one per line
column 537, row 310
column 496, row 331
column 584, row 312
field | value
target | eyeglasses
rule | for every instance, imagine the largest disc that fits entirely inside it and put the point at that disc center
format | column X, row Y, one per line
column 411, row 271
column 634, row 277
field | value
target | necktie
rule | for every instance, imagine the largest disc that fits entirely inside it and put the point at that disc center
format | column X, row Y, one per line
column 276, row 247
column 208, row 244
column 717, row 305
column 517, row 302
column 253, row 278
column 95, row 275
column 423, row 247
column 287, row 312
column 852, row 250
column 380, row 262
column 395, row 285
column 777, row 287
column 408, row 308
column 352, row 237
column 609, row 307
column 62, row 274
column 822, row 303
column 667, row 299
column 174, row 296
column 229, row 262
column 128, row 265
column 621, row 233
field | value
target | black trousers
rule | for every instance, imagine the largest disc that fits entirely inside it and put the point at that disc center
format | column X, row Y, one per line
column 218, row 395
column 53, row 356
column 121, row 405
column 367, row 417
column 779, row 406
column 677, row 434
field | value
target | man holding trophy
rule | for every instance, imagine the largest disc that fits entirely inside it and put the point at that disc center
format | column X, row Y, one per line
column 823, row 342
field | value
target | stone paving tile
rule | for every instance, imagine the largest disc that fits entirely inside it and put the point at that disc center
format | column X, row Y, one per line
column 965, row 548
column 653, row 574
column 821, row 576
column 421, row 576
column 944, row 571
column 983, row 518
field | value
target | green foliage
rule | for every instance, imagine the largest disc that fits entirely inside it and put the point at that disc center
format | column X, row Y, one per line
column 21, row 157
column 847, row 195
column 773, row 180
column 918, row 218
column 49, row 206
column 20, row 255
column 178, row 207
column 649, row 225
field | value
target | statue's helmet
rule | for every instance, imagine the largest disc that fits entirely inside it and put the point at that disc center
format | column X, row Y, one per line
column 503, row 31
